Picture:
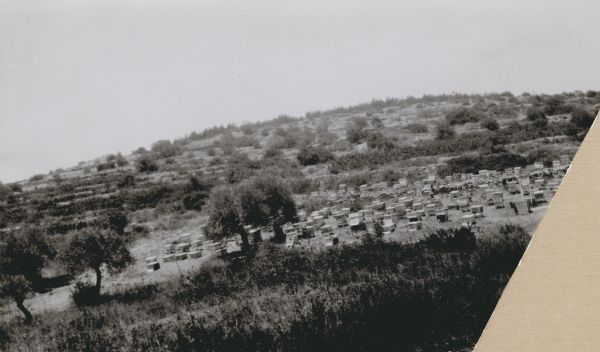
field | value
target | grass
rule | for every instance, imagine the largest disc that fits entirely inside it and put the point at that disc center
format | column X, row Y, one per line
column 375, row 295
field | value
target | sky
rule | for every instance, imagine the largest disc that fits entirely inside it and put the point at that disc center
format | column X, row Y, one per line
column 84, row 78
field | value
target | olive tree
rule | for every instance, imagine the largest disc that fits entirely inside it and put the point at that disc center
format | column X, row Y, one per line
column 257, row 201
column 22, row 257
column 266, row 199
column 224, row 214
column 95, row 249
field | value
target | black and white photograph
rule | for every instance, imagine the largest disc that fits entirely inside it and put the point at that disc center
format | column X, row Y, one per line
column 226, row 175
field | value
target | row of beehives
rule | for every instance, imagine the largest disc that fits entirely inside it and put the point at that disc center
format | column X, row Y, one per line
column 180, row 249
column 536, row 173
column 389, row 214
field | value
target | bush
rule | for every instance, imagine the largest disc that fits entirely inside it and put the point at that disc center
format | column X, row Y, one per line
column 444, row 131
column 376, row 140
column 462, row 115
column 555, row 105
column 460, row 239
column 146, row 164
column 313, row 155
column 416, row 127
column 537, row 117
column 105, row 166
column 581, row 118
column 490, row 124
column 165, row 149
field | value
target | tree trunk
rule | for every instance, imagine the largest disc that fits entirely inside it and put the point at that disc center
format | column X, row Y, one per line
column 245, row 242
column 22, row 308
column 279, row 235
column 98, row 280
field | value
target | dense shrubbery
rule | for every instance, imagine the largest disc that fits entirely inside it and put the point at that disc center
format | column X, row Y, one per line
column 417, row 128
column 462, row 115
column 313, row 155
column 555, row 105
column 444, row 131
column 490, row 124
column 356, row 130
column 146, row 163
column 434, row 296
column 471, row 141
column 472, row 164
column 165, row 149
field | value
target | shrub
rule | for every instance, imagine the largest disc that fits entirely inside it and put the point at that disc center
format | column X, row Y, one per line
column 490, row 124
column 581, row 118
column 537, row 117
column 376, row 122
column 416, row 127
column 503, row 111
column 376, row 140
column 462, row 115
column 146, row 164
column 460, row 239
column 355, row 134
column 555, row 105
column 313, row 155
column 106, row 166
column 165, row 149
column 444, row 131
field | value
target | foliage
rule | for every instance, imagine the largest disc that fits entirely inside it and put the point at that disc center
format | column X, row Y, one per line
column 22, row 257
column 490, row 124
column 95, row 249
column 313, row 155
column 165, row 149
column 355, row 130
column 416, row 127
column 462, row 115
column 358, row 297
column 444, row 131
column 454, row 239
column 264, row 198
column 146, row 163
column 555, row 105
column 376, row 140
column 224, row 214
column 474, row 163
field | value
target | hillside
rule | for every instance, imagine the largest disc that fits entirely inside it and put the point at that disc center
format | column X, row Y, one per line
column 416, row 165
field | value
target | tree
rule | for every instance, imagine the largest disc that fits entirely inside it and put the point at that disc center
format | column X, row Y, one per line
column 445, row 131
column 266, row 199
column 22, row 258
column 224, row 215
column 165, row 149
column 115, row 219
column 581, row 118
column 196, row 191
column 95, row 249
column 257, row 201
column 18, row 288
column 537, row 117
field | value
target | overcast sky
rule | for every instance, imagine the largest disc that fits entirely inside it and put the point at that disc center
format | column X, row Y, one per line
column 81, row 78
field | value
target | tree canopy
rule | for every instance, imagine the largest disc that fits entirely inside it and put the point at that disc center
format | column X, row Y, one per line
column 94, row 249
column 22, row 257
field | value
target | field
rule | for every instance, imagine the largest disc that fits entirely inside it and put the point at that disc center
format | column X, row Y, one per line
column 445, row 192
